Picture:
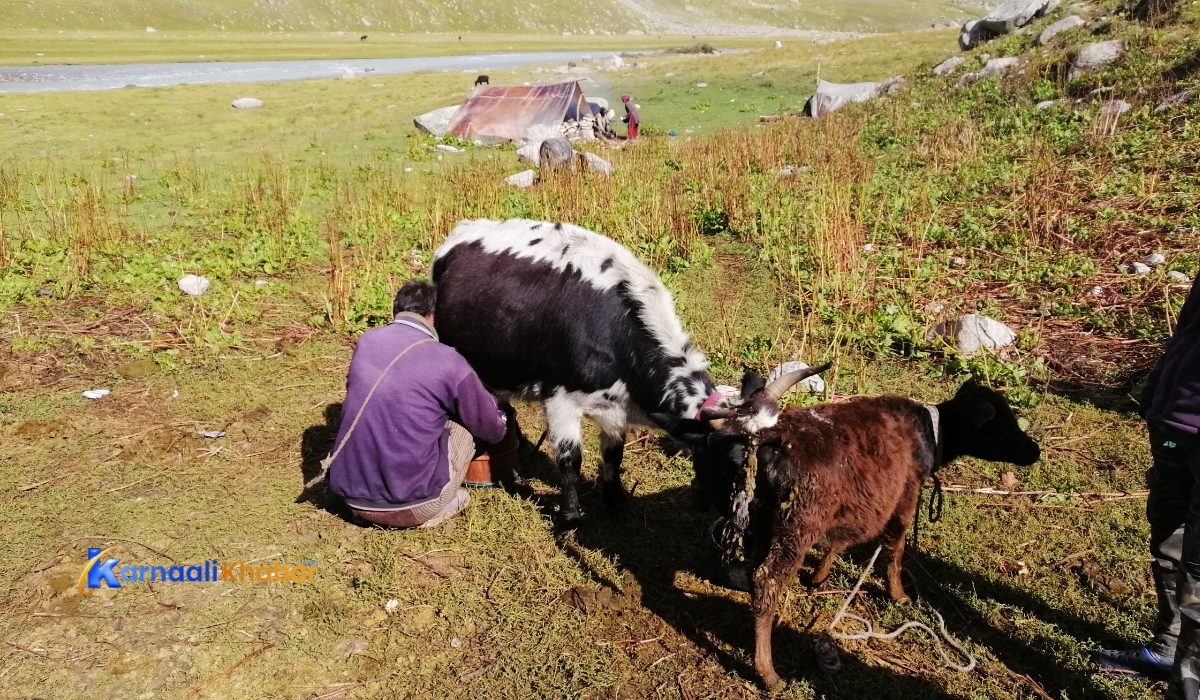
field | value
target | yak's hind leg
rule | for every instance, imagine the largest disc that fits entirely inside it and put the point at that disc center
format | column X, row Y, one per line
column 566, row 441
column 612, row 449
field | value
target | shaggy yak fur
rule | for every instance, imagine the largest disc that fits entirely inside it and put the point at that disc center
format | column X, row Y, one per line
column 558, row 314
column 847, row 472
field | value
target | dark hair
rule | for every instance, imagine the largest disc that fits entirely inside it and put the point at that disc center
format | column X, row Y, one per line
column 416, row 296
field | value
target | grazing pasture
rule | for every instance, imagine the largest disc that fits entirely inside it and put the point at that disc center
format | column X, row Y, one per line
column 307, row 213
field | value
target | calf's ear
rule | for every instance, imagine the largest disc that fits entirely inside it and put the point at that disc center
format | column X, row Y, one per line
column 691, row 432
column 980, row 413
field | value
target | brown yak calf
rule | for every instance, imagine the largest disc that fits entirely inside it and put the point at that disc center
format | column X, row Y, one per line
column 847, row 472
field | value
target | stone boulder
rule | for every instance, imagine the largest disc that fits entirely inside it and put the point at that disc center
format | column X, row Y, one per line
column 247, row 103
column 528, row 154
column 971, row 34
column 1062, row 25
column 948, row 66
column 1177, row 98
column 592, row 163
column 1014, row 14
column 523, row 179
column 437, row 122
column 555, row 153
column 814, row 384
column 994, row 68
column 1095, row 56
column 830, row 97
column 614, row 62
column 971, row 333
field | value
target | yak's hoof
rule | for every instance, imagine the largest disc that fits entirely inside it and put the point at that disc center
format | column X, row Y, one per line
column 615, row 498
column 570, row 519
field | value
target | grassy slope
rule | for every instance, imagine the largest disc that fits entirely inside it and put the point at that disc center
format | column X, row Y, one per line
column 978, row 173
column 598, row 16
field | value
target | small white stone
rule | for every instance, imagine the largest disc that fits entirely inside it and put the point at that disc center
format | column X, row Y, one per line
column 1096, row 291
column 446, row 148
column 958, row 261
column 1154, row 259
column 1045, row 104
column 1177, row 276
column 212, row 434
column 94, row 394
column 455, row 643
column 523, row 179
column 261, row 283
column 1141, row 268
column 814, row 384
column 150, row 30
column 392, row 605
column 701, row 85
column 193, row 285
column 779, row 44
column 869, row 247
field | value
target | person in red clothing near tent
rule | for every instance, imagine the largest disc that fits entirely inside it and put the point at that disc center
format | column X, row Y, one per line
column 631, row 117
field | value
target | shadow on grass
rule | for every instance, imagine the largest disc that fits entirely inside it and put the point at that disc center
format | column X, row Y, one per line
column 315, row 445
column 662, row 535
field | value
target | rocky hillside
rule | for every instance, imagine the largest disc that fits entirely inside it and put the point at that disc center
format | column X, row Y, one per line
column 533, row 16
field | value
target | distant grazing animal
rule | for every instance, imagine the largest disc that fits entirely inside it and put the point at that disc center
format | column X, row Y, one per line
column 482, row 80
column 363, row 37
column 848, row 471
column 568, row 317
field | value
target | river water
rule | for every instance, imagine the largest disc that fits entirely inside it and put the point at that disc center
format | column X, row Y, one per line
column 107, row 77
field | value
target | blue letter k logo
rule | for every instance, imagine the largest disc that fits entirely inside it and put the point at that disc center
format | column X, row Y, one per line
column 97, row 571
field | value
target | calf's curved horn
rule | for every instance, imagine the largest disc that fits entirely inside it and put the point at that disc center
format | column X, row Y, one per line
column 779, row 387
column 716, row 417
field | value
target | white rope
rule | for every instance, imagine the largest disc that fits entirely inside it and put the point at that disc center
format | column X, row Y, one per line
column 870, row 633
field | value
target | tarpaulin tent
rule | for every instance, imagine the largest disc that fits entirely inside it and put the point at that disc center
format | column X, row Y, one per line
column 506, row 112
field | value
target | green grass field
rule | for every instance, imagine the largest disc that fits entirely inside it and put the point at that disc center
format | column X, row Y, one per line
column 307, row 213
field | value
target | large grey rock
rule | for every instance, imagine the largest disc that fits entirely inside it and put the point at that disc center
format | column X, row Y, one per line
column 523, row 179
column 995, row 67
column 437, row 122
column 1062, row 25
column 1095, row 56
column 833, row 96
column 971, row 333
column 555, row 153
column 948, row 66
column 1013, row 14
column 814, row 384
column 592, row 163
column 614, row 62
column 971, row 34
column 247, row 103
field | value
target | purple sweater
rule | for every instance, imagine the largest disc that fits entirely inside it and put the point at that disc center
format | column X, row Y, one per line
column 398, row 454
column 1171, row 399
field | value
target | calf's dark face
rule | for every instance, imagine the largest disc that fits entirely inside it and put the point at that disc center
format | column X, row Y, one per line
column 717, row 457
column 979, row 422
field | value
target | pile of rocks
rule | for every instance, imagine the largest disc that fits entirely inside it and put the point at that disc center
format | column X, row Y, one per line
column 583, row 129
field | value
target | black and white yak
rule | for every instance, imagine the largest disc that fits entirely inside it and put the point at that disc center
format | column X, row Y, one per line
column 562, row 315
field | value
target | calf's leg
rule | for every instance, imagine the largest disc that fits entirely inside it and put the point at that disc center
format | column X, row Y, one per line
column 822, row 573
column 612, row 449
column 893, row 541
column 771, row 579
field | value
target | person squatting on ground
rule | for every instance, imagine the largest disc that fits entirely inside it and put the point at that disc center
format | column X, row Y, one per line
column 412, row 406
column 1170, row 403
column 631, row 117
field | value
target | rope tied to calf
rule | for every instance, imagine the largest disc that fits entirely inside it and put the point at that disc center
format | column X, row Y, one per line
column 827, row 651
